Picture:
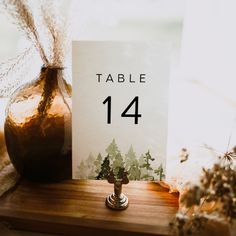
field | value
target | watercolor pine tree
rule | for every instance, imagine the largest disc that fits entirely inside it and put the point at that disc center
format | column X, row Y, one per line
column 105, row 169
column 160, row 172
column 130, row 158
column 90, row 166
column 134, row 171
column 112, row 150
column 82, row 170
column 132, row 165
column 147, row 166
column 97, row 163
column 141, row 162
column 117, row 163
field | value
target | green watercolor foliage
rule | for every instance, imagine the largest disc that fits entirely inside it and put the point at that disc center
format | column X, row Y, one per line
column 138, row 167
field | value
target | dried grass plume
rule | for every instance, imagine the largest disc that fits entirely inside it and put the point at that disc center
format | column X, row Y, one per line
column 23, row 17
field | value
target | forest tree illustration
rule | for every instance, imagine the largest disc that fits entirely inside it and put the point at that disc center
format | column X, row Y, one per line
column 138, row 168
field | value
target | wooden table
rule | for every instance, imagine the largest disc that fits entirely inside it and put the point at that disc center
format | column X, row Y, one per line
column 78, row 208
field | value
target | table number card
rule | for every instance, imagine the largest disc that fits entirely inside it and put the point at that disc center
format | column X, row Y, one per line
column 120, row 108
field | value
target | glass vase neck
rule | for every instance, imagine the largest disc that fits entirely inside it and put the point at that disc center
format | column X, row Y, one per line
column 56, row 68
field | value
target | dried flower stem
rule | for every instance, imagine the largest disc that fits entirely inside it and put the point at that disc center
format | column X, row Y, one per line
column 218, row 185
column 56, row 33
column 13, row 63
column 21, row 13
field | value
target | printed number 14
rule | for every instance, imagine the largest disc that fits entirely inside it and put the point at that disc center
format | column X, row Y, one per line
column 124, row 113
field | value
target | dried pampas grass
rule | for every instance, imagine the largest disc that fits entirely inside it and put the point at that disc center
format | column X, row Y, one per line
column 12, row 70
column 22, row 15
column 49, row 42
column 56, row 31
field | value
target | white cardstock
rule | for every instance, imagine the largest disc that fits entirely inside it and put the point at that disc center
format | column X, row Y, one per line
column 120, row 108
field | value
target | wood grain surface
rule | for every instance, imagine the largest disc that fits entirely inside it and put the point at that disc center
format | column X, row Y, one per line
column 78, row 208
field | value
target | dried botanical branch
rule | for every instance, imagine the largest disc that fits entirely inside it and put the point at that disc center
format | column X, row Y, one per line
column 20, row 12
column 22, row 16
column 218, row 186
column 187, row 225
column 12, row 63
column 14, row 72
column 56, row 32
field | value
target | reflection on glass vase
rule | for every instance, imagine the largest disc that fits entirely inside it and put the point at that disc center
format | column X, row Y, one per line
column 38, row 127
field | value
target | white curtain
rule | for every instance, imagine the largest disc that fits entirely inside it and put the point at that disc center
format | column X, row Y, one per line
column 204, row 88
column 203, row 98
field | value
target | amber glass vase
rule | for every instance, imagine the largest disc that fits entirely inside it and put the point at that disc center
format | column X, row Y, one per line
column 38, row 127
